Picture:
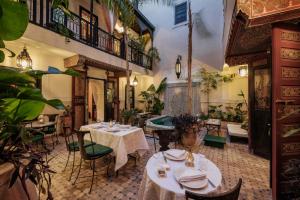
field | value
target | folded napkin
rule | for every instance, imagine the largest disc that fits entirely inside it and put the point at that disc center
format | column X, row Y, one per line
column 176, row 153
column 191, row 174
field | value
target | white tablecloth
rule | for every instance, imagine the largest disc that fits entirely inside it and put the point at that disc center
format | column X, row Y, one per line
column 124, row 142
column 154, row 187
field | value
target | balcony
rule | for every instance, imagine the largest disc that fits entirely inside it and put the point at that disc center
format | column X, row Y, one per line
column 80, row 30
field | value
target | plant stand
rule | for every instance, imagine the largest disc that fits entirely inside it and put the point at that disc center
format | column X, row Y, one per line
column 214, row 141
column 16, row 192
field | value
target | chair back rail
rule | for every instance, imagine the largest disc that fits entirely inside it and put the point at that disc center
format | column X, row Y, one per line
column 80, row 136
column 68, row 136
column 232, row 194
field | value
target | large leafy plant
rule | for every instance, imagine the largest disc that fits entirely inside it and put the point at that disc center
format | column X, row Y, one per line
column 151, row 97
column 20, row 101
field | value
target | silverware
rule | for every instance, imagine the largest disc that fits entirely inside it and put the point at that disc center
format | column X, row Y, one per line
column 210, row 182
column 165, row 159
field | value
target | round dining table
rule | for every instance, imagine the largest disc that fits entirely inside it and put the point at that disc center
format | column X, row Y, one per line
column 156, row 187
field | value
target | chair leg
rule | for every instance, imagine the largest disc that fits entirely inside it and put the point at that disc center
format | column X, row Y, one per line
column 52, row 141
column 92, row 177
column 57, row 140
column 72, row 170
column 69, row 153
column 154, row 141
column 78, row 171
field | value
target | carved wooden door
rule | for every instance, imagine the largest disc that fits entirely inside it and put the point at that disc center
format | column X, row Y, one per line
column 78, row 100
column 260, row 107
column 285, row 101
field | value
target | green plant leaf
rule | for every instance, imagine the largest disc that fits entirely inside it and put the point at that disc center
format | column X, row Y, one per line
column 151, row 88
column 14, row 177
column 162, row 86
column 1, row 11
column 71, row 72
column 12, row 54
column 9, row 75
column 22, row 109
column 2, row 56
column 14, row 20
column 56, row 103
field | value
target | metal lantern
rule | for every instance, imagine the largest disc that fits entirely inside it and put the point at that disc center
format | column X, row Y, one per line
column 135, row 81
column 23, row 60
column 243, row 71
column 178, row 67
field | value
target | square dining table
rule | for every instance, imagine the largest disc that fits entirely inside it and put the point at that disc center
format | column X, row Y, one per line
column 123, row 142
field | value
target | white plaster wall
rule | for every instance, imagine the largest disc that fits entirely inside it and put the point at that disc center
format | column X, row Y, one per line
column 144, row 82
column 227, row 93
column 172, row 40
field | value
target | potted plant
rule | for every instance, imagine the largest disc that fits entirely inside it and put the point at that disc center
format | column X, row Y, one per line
column 129, row 116
column 151, row 98
column 186, row 127
column 20, row 101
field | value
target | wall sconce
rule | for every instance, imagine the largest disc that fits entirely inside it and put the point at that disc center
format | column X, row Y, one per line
column 178, row 66
column 23, row 60
column 243, row 71
column 135, row 81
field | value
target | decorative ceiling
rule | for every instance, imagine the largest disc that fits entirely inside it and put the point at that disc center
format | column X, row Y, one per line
column 267, row 11
column 251, row 30
column 259, row 8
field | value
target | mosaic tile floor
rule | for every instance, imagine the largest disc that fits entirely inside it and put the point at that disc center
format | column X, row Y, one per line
column 234, row 161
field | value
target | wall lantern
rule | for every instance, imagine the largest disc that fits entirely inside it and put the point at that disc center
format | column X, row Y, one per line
column 178, row 66
column 135, row 81
column 23, row 60
column 243, row 71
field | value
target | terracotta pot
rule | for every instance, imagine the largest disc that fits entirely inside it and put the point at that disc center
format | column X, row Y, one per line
column 16, row 192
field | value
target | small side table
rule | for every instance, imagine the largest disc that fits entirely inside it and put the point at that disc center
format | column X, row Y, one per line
column 213, row 124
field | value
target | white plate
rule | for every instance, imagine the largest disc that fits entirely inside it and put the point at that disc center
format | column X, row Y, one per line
column 98, row 126
column 175, row 158
column 113, row 130
column 124, row 126
column 194, row 184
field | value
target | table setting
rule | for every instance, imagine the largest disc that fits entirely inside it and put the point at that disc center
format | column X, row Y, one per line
column 170, row 173
column 123, row 139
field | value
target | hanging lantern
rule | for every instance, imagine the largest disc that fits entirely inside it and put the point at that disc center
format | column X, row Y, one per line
column 178, row 66
column 243, row 71
column 23, row 60
column 135, row 81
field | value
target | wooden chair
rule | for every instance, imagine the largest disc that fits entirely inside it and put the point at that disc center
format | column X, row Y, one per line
column 232, row 194
column 91, row 153
column 72, row 146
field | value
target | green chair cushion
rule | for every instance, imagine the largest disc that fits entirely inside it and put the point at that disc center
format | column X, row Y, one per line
column 214, row 141
column 37, row 138
column 49, row 130
column 74, row 146
column 99, row 150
